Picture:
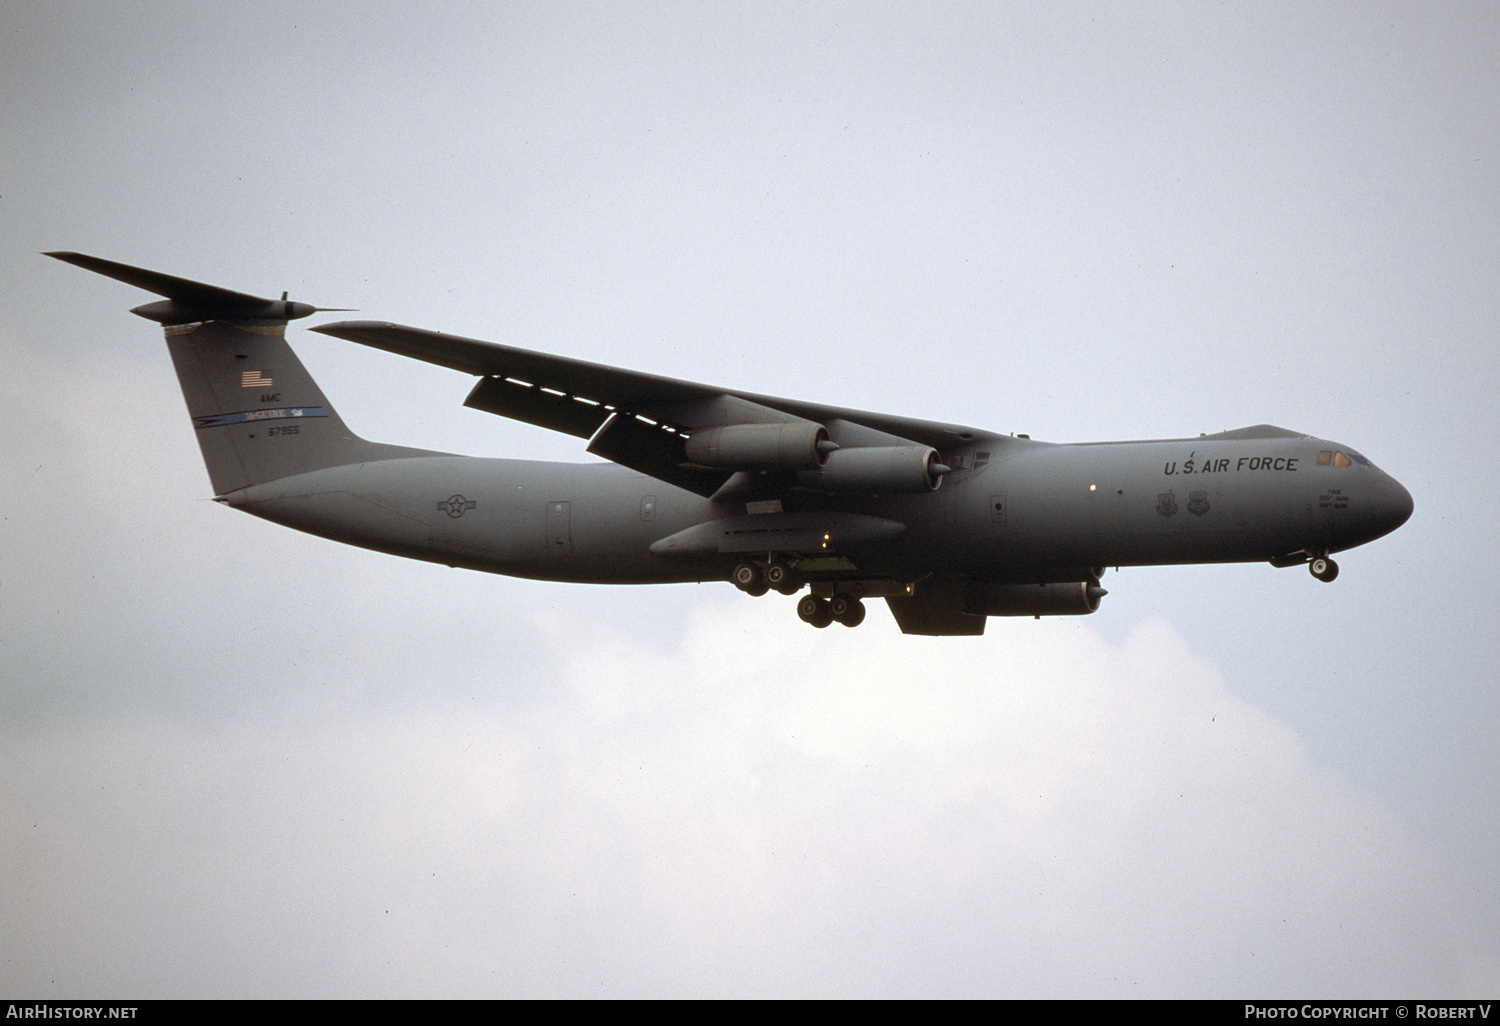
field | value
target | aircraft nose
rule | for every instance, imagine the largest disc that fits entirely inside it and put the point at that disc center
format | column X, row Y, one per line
column 1392, row 505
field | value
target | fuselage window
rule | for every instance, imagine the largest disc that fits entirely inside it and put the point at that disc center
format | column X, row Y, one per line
column 1338, row 459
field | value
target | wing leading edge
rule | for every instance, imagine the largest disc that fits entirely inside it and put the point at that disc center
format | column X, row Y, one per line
column 642, row 421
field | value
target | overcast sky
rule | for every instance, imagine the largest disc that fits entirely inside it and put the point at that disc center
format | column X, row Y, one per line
column 240, row 761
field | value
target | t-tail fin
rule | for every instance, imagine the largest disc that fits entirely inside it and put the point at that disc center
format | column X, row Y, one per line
column 258, row 414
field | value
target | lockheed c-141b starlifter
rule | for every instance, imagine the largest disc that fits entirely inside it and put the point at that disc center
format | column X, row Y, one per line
column 948, row 524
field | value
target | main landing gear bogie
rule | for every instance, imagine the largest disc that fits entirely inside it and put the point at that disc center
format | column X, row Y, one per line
column 754, row 579
column 780, row 577
column 820, row 612
column 847, row 610
column 750, row 579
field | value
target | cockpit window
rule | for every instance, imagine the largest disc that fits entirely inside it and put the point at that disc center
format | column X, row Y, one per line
column 1338, row 458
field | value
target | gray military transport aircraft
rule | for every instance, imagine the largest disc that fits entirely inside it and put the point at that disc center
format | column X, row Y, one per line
column 948, row 524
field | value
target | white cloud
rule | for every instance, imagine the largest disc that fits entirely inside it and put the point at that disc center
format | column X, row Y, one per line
column 757, row 808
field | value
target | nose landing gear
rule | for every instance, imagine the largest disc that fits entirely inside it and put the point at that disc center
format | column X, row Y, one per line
column 1323, row 568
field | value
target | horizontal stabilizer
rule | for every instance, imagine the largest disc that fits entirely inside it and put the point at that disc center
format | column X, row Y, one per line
column 189, row 301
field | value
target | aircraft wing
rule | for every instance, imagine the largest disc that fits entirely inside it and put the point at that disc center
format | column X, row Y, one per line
column 638, row 420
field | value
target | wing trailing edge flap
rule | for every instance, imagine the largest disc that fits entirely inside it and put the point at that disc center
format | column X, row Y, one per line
column 582, row 415
column 534, row 404
column 654, row 450
column 652, row 440
column 649, row 439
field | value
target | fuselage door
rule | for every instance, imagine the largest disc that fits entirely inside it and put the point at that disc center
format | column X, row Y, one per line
column 559, row 528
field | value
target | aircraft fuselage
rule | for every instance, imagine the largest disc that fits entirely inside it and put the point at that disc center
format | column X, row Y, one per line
column 1010, row 509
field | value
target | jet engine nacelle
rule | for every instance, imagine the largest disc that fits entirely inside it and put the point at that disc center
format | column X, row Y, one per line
column 1071, row 599
column 878, row 469
column 785, row 445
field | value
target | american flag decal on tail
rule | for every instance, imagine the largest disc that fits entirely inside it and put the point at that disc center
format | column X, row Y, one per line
column 254, row 379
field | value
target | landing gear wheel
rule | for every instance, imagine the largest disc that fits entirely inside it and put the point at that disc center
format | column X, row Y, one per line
column 1323, row 568
column 779, row 576
column 847, row 610
column 815, row 611
column 748, row 578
